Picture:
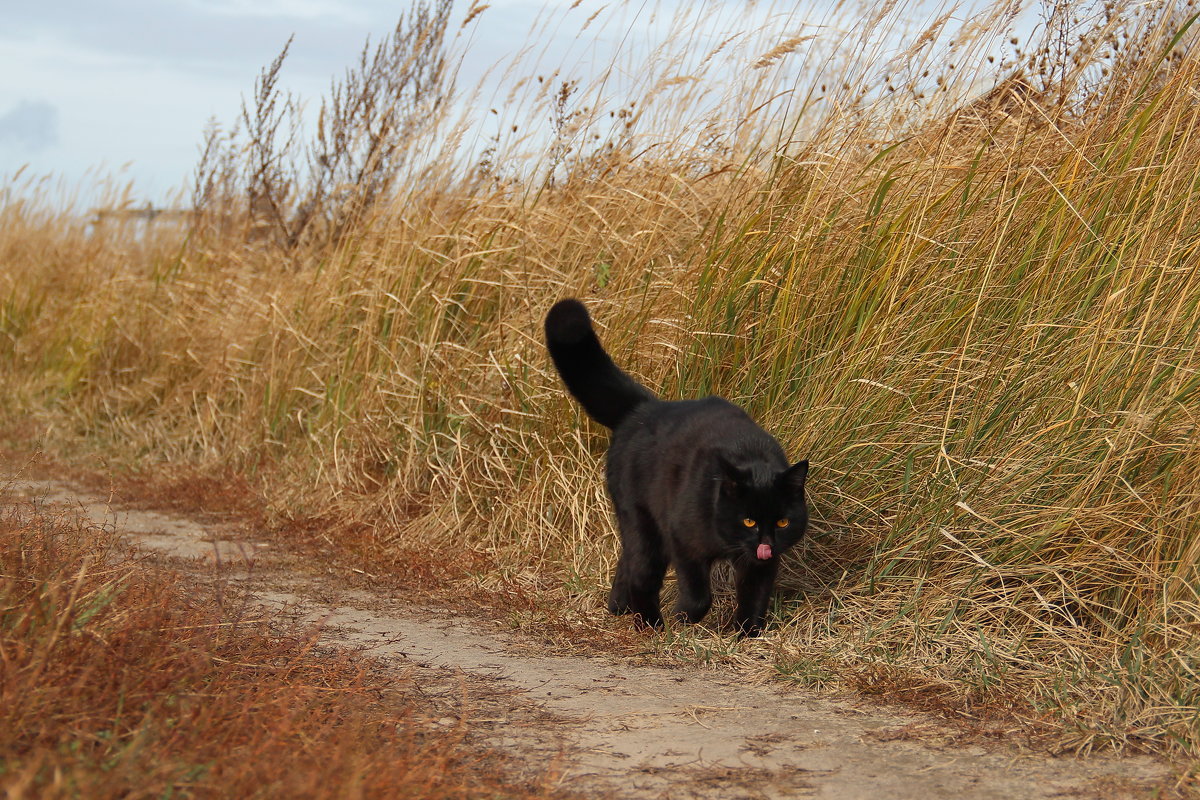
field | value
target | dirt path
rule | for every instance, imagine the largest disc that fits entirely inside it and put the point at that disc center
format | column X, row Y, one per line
column 629, row 730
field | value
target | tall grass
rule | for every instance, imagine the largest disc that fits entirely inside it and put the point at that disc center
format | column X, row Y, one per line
column 960, row 277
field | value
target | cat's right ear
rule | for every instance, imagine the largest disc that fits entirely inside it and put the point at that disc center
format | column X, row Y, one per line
column 793, row 477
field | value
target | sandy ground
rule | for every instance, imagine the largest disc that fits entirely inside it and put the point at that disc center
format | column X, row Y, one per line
column 610, row 727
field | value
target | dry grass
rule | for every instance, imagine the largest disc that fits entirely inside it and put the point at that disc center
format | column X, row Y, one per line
column 123, row 681
column 975, row 311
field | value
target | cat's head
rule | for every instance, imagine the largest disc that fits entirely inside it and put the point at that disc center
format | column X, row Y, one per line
column 761, row 512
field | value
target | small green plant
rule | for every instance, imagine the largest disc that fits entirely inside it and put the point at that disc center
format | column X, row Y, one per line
column 959, row 276
column 809, row 673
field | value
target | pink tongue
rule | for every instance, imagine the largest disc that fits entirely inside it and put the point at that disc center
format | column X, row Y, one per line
column 764, row 551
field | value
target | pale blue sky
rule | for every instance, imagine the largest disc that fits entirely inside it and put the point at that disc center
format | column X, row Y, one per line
column 125, row 87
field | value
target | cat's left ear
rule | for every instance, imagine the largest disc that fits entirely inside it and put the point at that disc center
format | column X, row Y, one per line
column 732, row 477
column 794, row 476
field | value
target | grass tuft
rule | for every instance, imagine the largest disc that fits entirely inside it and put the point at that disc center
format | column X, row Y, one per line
column 953, row 267
column 124, row 681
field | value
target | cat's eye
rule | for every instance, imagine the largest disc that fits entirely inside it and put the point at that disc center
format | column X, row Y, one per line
column 782, row 523
column 749, row 523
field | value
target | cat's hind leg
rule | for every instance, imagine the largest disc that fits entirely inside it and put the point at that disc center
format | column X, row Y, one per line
column 640, row 569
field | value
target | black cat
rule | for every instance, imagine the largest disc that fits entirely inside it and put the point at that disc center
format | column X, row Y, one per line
column 692, row 481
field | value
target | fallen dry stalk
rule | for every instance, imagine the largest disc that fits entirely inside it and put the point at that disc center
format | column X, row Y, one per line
column 117, row 680
column 975, row 311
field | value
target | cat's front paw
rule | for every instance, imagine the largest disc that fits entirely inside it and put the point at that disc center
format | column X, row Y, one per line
column 749, row 628
column 619, row 600
column 648, row 621
column 692, row 612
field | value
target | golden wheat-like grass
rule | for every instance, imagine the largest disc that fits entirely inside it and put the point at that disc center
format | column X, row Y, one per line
column 965, row 288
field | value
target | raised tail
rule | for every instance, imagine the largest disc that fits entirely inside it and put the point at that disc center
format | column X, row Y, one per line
column 604, row 390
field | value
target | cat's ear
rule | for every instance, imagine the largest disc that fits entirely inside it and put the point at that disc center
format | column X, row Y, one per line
column 792, row 479
column 732, row 477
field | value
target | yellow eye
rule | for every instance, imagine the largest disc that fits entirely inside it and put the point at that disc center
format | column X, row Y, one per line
column 782, row 523
column 749, row 523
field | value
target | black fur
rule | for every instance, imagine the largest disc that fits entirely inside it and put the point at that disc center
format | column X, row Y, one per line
column 684, row 477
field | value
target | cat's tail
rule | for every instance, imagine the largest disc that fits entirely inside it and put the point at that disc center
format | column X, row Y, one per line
column 606, row 392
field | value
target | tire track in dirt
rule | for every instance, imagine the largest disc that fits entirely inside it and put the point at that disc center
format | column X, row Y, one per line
column 630, row 730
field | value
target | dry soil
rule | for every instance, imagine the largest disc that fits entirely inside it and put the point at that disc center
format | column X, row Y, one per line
column 611, row 727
